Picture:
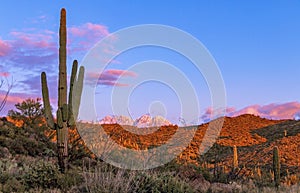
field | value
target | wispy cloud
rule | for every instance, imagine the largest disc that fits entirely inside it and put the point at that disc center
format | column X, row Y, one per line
column 12, row 99
column 272, row 111
column 110, row 77
column 31, row 51
column 116, row 72
column 43, row 39
column 37, row 50
column 4, row 74
column 25, row 53
column 290, row 110
column 4, row 48
column 89, row 30
column 85, row 36
column 207, row 115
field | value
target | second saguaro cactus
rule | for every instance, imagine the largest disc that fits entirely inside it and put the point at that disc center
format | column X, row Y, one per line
column 67, row 111
column 235, row 158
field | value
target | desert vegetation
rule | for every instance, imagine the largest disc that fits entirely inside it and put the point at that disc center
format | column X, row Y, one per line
column 29, row 160
column 41, row 154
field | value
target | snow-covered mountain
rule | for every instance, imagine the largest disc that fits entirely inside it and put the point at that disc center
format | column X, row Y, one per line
column 122, row 120
column 143, row 121
column 108, row 120
column 148, row 121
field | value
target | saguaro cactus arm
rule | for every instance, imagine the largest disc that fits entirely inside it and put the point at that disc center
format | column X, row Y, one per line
column 78, row 85
column 46, row 101
column 71, row 119
column 59, row 119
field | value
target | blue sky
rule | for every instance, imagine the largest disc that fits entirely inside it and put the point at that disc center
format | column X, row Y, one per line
column 256, row 45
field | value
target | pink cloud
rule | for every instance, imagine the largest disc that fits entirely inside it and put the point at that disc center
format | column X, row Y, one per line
column 230, row 110
column 110, row 77
column 32, row 47
column 289, row 110
column 89, row 30
column 34, row 50
column 33, row 40
column 10, row 102
column 4, row 48
column 28, row 50
column 37, row 46
column 272, row 111
column 4, row 74
column 209, row 112
column 14, row 99
column 85, row 36
column 113, row 83
column 116, row 72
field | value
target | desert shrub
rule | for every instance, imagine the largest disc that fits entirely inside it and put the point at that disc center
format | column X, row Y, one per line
column 46, row 175
column 17, row 146
column 42, row 174
column 12, row 185
column 70, row 179
column 28, row 139
column 4, row 142
column 205, row 173
column 4, row 176
column 105, row 178
column 25, row 145
column 9, row 181
column 266, row 179
column 30, row 111
column 6, row 131
column 163, row 182
column 169, row 167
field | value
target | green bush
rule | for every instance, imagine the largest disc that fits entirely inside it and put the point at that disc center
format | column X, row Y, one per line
column 42, row 174
column 69, row 179
column 4, row 177
column 30, row 111
column 164, row 183
column 7, row 131
column 106, row 178
column 12, row 185
column 46, row 175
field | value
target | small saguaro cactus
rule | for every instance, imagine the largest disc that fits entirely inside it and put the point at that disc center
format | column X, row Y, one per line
column 67, row 111
column 258, row 172
column 235, row 158
column 276, row 166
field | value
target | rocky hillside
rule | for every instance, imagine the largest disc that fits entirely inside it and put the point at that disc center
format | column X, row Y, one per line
column 254, row 137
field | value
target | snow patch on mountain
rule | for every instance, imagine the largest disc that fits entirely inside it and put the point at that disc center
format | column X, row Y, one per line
column 148, row 121
column 143, row 121
column 114, row 119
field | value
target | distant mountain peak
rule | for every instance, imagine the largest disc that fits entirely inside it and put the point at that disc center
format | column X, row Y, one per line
column 148, row 121
column 113, row 119
column 143, row 121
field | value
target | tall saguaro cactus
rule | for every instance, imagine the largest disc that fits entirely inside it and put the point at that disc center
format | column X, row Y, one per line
column 276, row 166
column 67, row 111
